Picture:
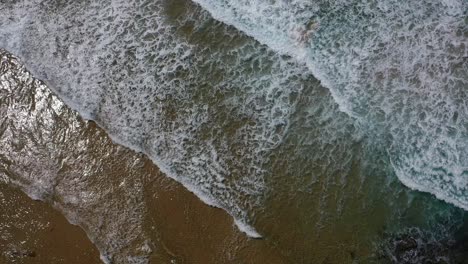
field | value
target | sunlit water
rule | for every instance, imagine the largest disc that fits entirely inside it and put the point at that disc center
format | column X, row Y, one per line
column 301, row 121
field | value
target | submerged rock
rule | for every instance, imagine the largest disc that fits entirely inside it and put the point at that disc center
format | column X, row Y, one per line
column 415, row 246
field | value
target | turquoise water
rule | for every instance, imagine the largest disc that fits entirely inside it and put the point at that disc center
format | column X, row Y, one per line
column 306, row 121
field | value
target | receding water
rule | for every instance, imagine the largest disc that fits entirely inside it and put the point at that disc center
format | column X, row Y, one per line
column 307, row 121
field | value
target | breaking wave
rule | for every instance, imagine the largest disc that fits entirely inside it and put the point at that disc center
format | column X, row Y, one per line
column 210, row 115
column 399, row 68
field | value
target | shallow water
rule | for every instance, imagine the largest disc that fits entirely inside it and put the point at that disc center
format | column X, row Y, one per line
column 399, row 68
column 32, row 232
column 128, row 208
column 303, row 142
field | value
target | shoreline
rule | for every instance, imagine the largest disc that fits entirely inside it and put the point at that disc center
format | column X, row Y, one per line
column 129, row 209
column 35, row 232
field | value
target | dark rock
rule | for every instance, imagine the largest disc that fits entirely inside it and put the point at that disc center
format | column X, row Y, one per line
column 406, row 244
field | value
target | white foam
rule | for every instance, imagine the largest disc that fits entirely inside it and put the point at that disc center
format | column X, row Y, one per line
column 140, row 80
column 386, row 63
column 247, row 229
column 147, row 85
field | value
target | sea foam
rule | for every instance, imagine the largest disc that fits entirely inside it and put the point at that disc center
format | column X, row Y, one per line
column 400, row 68
column 208, row 116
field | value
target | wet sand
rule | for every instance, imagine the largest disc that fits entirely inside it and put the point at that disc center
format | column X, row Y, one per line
column 189, row 231
column 128, row 208
column 180, row 226
column 184, row 229
column 34, row 232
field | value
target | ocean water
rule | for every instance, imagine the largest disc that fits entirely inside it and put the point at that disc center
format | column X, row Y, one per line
column 401, row 67
column 313, row 123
